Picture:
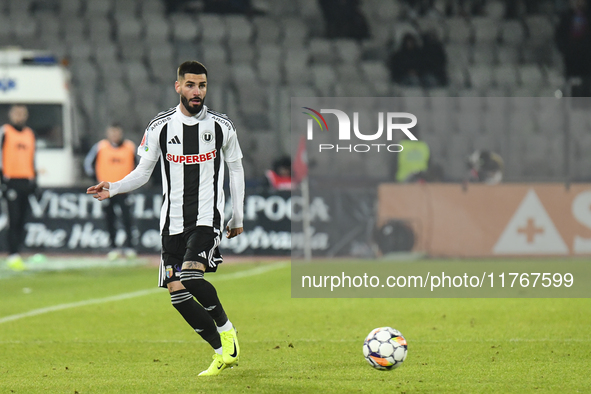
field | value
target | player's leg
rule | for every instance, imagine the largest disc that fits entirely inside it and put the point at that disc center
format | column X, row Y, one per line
column 127, row 223
column 201, row 246
column 182, row 300
column 111, row 219
column 15, row 202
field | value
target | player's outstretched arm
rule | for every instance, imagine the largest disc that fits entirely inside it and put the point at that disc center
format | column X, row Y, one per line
column 100, row 191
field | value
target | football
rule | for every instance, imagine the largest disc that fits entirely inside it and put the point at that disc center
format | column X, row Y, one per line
column 385, row 348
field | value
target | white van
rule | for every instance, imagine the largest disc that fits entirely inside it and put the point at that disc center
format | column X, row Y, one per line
column 36, row 79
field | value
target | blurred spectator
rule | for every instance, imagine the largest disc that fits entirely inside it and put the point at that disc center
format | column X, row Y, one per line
column 110, row 160
column 280, row 176
column 344, row 19
column 486, row 167
column 407, row 64
column 416, row 65
column 573, row 38
column 435, row 72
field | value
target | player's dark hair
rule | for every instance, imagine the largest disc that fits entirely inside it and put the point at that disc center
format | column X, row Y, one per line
column 191, row 67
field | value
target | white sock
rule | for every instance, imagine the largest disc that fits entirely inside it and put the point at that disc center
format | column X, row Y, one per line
column 226, row 327
column 218, row 350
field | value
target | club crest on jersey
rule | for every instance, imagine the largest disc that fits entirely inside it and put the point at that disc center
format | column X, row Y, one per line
column 168, row 271
column 207, row 137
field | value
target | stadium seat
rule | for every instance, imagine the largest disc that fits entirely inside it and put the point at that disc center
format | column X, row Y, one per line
column 486, row 30
column 375, row 71
column 495, row 10
column 149, row 8
column 324, row 78
column 239, row 29
column 269, row 71
column 244, row 73
column 431, row 23
column 127, row 7
column 481, row 76
column 505, row 76
column 387, row 10
column 100, row 30
column 105, row 53
column 507, row 55
column 457, row 77
column 458, row 55
column 540, row 30
column 129, row 28
column 531, row 75
column 241, row 52
column 157, row 29
column 184, row 27
column 74, row 31
column 69, row 8
column 459, row 31
column 322, row 51
column 353, row 89
column 213, row 28
column 131, row 49
column 484, row 54
column 270, row 52
column 214, row 53
column 267, row 30
column 348, row 51
column 348, row 73
column 80, row 52
column 96, row 8
column 295, row 32
column 512, row 33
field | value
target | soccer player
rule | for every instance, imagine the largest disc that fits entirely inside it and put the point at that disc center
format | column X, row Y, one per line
column 192, row 142
column 18, row 178
column 110, row 160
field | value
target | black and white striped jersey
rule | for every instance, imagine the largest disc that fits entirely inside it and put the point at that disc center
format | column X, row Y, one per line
column 191, row 151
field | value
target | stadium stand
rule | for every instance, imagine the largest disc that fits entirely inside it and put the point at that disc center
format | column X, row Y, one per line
column 122, row 56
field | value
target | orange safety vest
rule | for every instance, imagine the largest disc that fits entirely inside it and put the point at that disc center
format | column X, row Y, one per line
column 113, row 163
column 18, row 153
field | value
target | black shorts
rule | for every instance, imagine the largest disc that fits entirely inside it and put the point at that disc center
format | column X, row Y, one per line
column 200, row 244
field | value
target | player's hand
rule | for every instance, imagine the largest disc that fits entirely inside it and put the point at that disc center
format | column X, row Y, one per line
column 100, row 191
column 232, row 232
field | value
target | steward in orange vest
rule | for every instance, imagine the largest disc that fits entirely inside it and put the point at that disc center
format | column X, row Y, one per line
column 18, row 177
column 110, row 160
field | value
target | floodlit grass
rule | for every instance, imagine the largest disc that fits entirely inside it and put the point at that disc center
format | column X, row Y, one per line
column 142, row 345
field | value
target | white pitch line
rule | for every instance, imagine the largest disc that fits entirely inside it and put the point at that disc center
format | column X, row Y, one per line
column 140, row 293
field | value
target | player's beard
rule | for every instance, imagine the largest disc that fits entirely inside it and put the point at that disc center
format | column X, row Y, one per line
column 193, row 110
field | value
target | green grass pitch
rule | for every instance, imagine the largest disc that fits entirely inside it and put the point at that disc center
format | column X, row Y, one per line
column 141, row 344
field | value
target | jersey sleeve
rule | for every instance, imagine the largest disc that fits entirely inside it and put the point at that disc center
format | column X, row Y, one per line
column 150, row 146
column 231, row 148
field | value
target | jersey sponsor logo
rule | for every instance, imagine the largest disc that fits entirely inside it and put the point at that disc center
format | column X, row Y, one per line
column 159, row 122
column 191, row 159
column 175, row 140
column 207, row 137
column 222, row 121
